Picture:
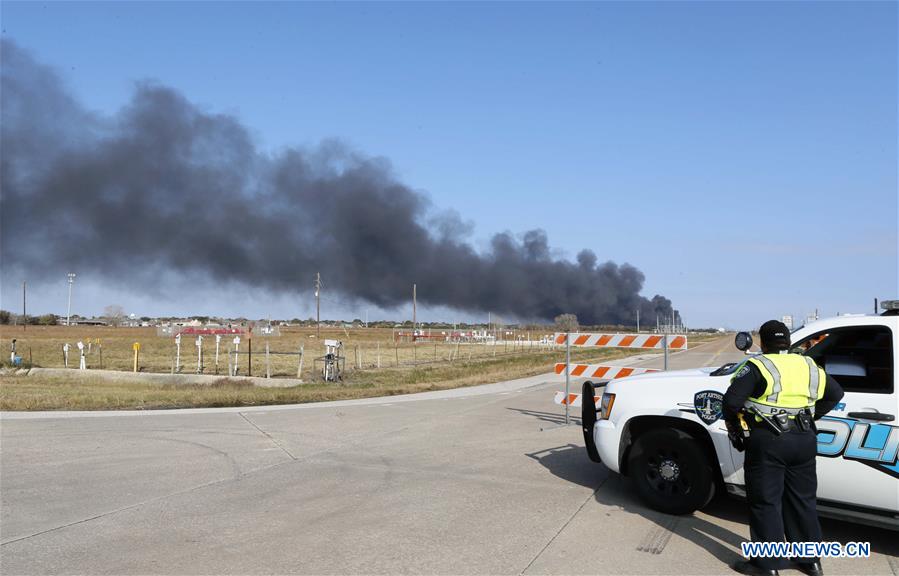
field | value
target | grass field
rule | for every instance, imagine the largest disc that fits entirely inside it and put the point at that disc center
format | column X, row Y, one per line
column 111, row 348
column 404, row 367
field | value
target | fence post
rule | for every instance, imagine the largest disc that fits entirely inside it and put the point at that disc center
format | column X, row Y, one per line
column 177, row 354
column 218, row 340
column 300, row 367
column 230, row 364
column 268, row 365
column 396, row 348
column 199, row 354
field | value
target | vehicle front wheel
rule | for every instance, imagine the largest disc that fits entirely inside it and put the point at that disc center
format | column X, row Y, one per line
column 670, row 471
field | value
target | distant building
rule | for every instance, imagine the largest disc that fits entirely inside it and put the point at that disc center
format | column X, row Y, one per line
column 88, row 322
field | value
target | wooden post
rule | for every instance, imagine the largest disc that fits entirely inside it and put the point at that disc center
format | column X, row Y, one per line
column 136, row 347
column 396, row 348
column 300, row 367
column 218, row 341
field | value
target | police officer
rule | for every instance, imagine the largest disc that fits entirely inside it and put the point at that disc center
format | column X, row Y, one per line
column 779, row 395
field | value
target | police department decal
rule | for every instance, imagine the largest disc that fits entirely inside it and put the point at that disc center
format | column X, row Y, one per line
column 708, row 405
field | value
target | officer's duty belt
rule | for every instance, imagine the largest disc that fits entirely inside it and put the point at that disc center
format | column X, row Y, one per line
column 775, row 410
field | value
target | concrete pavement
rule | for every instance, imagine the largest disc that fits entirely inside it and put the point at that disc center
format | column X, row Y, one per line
column 472, row 481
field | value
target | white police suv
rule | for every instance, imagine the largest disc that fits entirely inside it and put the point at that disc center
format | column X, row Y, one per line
column 664, row 430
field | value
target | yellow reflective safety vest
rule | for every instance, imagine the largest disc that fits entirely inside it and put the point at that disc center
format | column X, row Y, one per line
column 794, row 382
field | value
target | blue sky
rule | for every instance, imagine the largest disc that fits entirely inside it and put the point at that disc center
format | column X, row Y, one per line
column 742, row 155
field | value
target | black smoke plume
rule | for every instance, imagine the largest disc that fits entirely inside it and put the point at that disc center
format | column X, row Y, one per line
column 166, row 186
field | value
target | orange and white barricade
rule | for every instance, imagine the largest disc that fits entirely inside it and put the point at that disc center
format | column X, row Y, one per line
column 573, row 400
column 601, row 371
column 664, row 342
column 644, row 341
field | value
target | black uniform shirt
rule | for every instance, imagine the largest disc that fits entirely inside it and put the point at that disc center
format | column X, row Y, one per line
column 751, row 384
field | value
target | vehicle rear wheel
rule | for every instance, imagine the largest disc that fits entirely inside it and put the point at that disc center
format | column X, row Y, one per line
column 670, row 471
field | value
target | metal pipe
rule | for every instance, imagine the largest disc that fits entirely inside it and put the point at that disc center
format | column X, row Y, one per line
column 567, row 375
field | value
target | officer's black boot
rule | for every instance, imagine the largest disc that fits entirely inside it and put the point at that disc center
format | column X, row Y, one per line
column 810, row 568
column 746, row 567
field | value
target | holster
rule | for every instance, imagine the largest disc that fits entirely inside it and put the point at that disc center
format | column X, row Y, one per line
column 772, row 423
column 806, row 422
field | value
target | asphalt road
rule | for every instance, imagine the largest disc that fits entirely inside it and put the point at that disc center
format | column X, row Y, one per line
column 473, row 481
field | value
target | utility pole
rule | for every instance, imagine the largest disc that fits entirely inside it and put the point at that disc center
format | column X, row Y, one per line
column 71, row 277
column 414, row 309
column 638, row 320
column 318, row 320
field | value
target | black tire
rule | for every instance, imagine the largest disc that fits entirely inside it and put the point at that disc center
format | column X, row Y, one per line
column 671, row 472
column 588, row 419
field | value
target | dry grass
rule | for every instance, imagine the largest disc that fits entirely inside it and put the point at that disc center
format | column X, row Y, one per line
column 55, row 393
column 111, row 348
column 436, row 367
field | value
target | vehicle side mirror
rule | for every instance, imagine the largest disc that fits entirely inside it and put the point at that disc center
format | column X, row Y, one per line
column 743, row 341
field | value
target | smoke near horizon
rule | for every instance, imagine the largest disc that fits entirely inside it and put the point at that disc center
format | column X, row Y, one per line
column 164, row 186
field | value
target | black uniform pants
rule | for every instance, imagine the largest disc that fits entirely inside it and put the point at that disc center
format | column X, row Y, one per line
column 781, row 482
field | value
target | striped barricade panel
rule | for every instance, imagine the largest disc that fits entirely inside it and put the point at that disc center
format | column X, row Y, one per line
column 601, row 371
column 573, row 400
column 654, row 341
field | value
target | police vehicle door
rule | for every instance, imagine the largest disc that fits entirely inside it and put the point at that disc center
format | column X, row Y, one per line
column 858, row 440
